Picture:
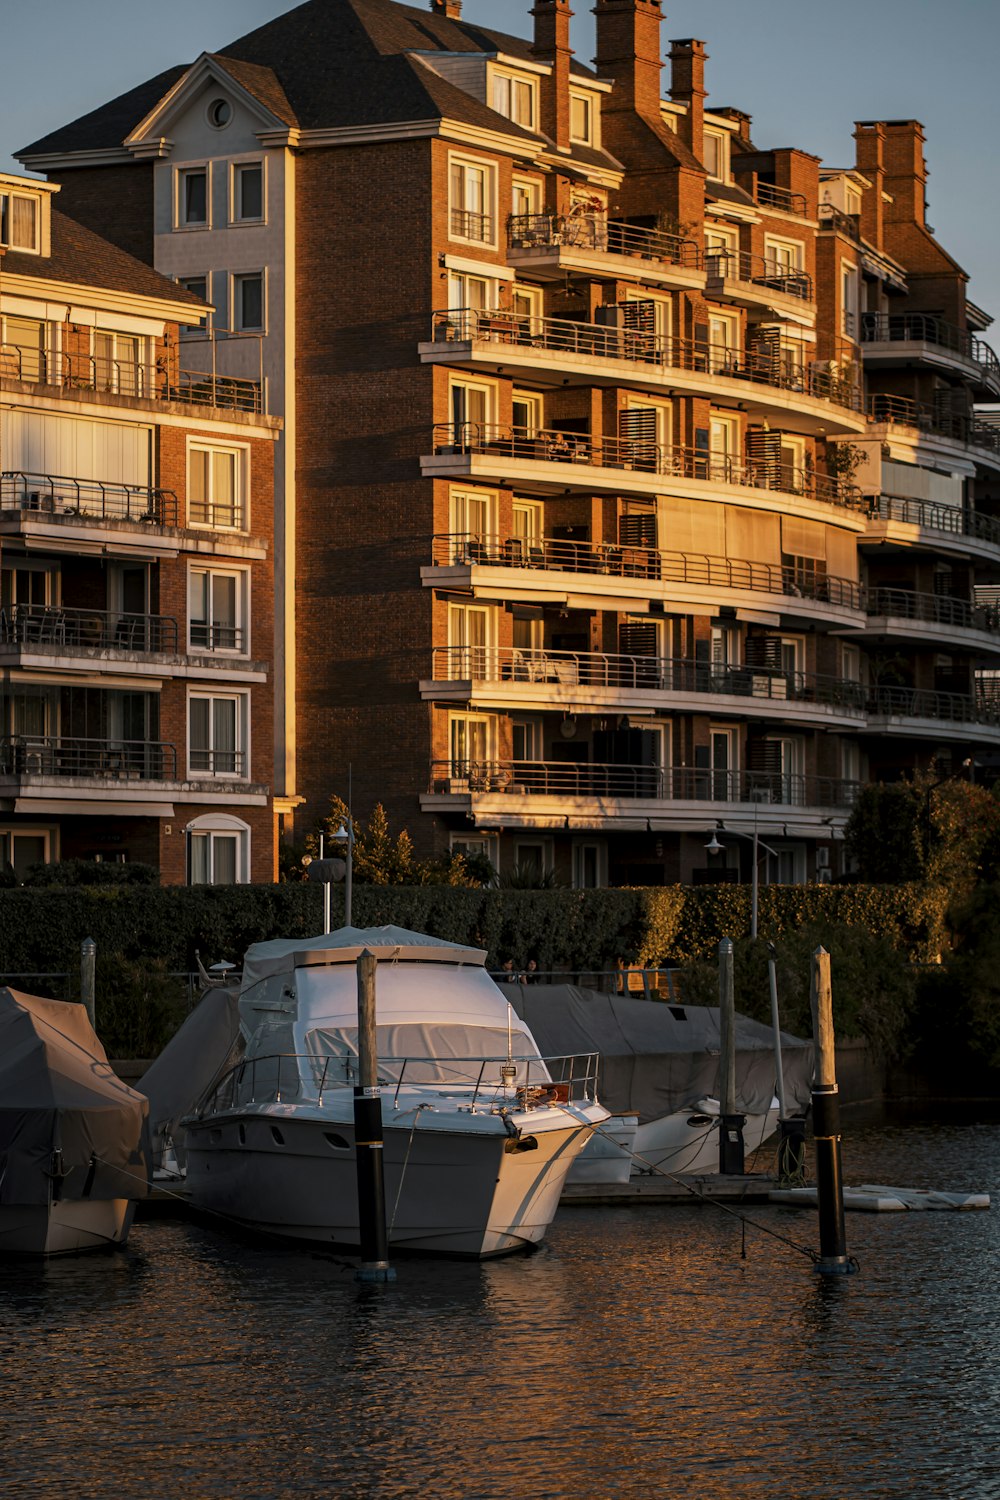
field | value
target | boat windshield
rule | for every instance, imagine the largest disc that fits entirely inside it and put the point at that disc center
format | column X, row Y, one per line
column 426, row 1052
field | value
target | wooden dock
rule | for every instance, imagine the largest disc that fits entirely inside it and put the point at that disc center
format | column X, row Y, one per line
column 679, row 1190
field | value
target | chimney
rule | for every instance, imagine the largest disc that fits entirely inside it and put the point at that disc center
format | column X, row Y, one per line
column 687, row 87
column 869, row 138
column 628, row 53
column 551, row 45
column 905, row 171
column 450, row 8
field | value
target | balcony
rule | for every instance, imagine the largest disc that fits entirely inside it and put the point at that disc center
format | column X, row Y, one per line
column 47, row 629
column 939, row 422
column 757, row 281
column 770, row 195
column 896, row 522
column 892, row 339
column 904, row 612
column 929, row 714
column 81, row 373
column 49, row 756
column 764, row 378
column 550, row 245
column 503, row 676
column 553, row 462
column 44, row 496
column 835, row 218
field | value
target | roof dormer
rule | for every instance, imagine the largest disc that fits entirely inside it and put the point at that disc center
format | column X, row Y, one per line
column 25, row 215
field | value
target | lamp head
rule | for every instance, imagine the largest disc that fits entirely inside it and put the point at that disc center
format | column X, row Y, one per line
column 714, row 847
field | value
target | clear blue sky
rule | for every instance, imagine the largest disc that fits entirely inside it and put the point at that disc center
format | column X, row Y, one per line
column 804, row 69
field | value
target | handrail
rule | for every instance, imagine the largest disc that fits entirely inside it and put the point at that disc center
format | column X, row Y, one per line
column 69, row 755
column 595, row 231
column 926, row 328
column 613, row 560
column 935, row 609
column 835, row 218
column 757, row 270
column 59, row 494
column 925, row 703
column 632, row 782
column 149, row 381
column 933, row 517
column 770, row 195
column 666, row 674
column 86, row 629
column 788, row 367
column 636, row 453
column 903, row 411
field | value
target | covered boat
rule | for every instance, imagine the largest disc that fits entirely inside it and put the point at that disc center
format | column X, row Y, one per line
column 480, row 1130
column 74, row 1149
column 659, row 1062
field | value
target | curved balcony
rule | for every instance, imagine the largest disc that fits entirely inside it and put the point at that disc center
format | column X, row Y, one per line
column 553, row 462
column 56, row 756
column 894, row 521
column 908, row 338
column 565, row 570
column 40, row 628
column 41, row 496
column 764, row 379
column 933, row 617
column 923, row 713
column 507, row 677
column 747, row 280
column 941, row 425
column 550, row 245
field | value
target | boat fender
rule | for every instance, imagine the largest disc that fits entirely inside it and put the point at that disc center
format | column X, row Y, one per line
column 509, row 1126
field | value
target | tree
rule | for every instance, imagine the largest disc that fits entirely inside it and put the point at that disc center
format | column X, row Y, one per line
column 880, row 835
column 379, row 858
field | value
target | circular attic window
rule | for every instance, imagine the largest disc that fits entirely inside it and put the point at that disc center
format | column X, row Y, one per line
column 220, row 112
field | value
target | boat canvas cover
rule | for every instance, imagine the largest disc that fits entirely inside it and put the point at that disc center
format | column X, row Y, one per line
column 58, row 1092
column 203, row 1049
column 658, row 1058
column 282, row 956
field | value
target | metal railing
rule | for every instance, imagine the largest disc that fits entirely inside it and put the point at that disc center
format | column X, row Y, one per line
column 549, row 446
column 304, row 1078
column 935, row 609
column 468, row 224
column 924, row 328
column 59, row 494
column 921, row 703
column 757, row 270
column 86, row 629
column 666, row 674
column 68, row 755
column 212, row 635
column 903, row 411
column 616, row 561
column 646, row 783
column 788, row 368
column 835, row 218
column 595, row 231
column 86, row 372
column 932, row 517
column 770, row 195
column 217, row 762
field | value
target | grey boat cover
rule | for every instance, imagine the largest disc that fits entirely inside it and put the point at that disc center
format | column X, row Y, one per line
column 656, row 1058
column 59, row 1094
column 284, row 955
column 201, row 1051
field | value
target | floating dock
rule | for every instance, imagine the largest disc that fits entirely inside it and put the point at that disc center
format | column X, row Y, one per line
column 708, row 1187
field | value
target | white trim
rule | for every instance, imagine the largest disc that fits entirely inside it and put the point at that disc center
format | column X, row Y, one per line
column 241, row 503
column 237, row 164
column 224, row 823
column 60, row 293
column 478, row 268
column 204, row 68
column 211, row 694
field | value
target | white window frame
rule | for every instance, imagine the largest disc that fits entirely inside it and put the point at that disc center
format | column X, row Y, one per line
column 142, row 362
column 472, row 659
column 532, row 401
column 242, row 626
column 241, row 749
column 664, row 417
column 724, row 353
column 236, row 279
column 719, row 170
column 222, row 825
column 534, row 733
column 545, row 846
column 181, row 174
column 530, row 191
column 787, row 256
column 236, row 168
column 458, row 512
column 461, row 779
column 584, row 132
column 598, row 847
column 461, row 383
column 477, row 843
column 8, row 197
column 197, row 330
column 241, row 503
column 10, row 831
column 514, row 84
column 488, row 213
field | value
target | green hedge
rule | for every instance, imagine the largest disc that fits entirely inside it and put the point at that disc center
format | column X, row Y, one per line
column 41, row 929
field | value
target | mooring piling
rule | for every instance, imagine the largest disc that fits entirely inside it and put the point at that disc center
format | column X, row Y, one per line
column 368, row 1141
column 833, row 1258
column 732, row 1156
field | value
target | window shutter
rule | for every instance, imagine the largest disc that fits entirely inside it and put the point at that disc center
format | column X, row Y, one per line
column 764, row 456
column 637, row 638
column 637, row 529
column 763, row 652
column 764, row 757
column 640, row 317
column 637, row 431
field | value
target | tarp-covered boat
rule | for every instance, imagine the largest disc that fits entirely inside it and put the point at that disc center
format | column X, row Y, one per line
column 74, row 1150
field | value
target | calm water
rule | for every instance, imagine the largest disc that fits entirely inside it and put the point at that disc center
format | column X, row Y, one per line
column 637, row 1354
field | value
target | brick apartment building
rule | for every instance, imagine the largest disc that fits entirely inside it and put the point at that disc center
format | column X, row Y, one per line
column 631, row 485
column 135, row 567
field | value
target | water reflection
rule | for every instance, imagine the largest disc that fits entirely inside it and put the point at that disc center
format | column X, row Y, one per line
column 636, row 1354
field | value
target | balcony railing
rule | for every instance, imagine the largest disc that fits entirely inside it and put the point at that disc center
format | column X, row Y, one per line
column 835, row 218
column 217, row 762
column 935, row 609
column 64, row 755
column 945, row 518
column 86, row 629
column 921, row 703
column 215, row 636
column 597, row 232
column 84, row 372
column 615, row 561
column 598, row 669
column 923, row 328
column 637, row 454
column 470, row 225
column 58, row 494
column 769, row 195
column 788, row 368
column 757, row 270
column 649, row 783
column 902, row 411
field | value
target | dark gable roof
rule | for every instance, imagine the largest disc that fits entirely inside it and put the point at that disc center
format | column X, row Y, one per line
column 261, row 83
column 106, row 128
column 83, row 258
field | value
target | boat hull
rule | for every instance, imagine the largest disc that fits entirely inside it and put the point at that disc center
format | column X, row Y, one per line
column 472, row 1192
column 69, row 1227
column 688, row 1141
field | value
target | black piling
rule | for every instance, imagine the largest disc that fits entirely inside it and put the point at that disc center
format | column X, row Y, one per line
column 732, row 1153
column 833, row 1258
column 368, row 1135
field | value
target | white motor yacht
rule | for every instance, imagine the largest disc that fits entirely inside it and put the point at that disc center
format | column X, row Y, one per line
column 480, row 1131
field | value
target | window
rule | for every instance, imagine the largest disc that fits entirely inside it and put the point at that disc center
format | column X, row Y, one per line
column 715, row 155
column 850, row 760
column 471, row 738
column 26, row 583
column 475, row 292
column 533, row 856
column 793, row 464
column 248, row 193
column 19, row 221
column 248, row 302
column 723, row 343
column 590, row 865
column 724, row 760
column 118, row 363
column 23, row 356
column 528, row 634
column 198, row 285
column 192, row 198
column 471, row 411
column 514, row 98
column 526, row 303
column 216, row 486
column 527, row 528
column 526, row 409
column 218, row 850
column 23, row 848
column 784, row 257
column 471, row 633
column 471, row 195
column 849, row 301
column 581, row 119
column 476, row 846
column 526, row 197
column 526, row 739
column 473, row 514
column 217, row 610
column 724, row 446
column 850, row 663
column 219, row 113
column 217, row 735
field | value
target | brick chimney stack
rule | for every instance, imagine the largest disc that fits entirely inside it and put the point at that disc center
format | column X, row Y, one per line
column 450, row 8
column 687, row 87
column 628, row 53
column 869, row 139
column 905, row 171
column 551, row 45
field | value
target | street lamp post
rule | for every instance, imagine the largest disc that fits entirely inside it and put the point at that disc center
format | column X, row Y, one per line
column 345, row 835
column 714, row 847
